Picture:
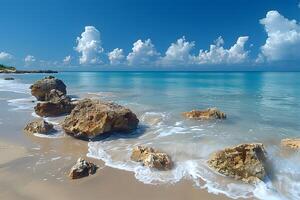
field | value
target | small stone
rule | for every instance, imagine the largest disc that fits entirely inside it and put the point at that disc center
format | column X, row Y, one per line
column 209, row 114
column 291, row 143
column 39, row 126
column 82, row 168
column 151, row 158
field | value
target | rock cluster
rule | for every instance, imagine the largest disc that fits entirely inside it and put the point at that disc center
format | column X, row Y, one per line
column 82, row 168
column 39, row 126
column 91, row 118
column 243, row 162
column 291, row 143
column 52, row 94
column 151, row 158
column 209, row 114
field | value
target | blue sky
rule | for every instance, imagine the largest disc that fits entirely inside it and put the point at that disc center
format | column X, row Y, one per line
column 151, row 34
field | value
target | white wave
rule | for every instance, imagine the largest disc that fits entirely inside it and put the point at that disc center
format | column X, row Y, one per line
column 21, row 103
column 57, row 134
column 14, row 86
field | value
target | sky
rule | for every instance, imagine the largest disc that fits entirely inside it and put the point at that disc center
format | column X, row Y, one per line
column 151, row 34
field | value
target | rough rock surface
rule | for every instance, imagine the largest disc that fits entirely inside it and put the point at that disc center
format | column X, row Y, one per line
column 82, row 168
column 92, row 117
column 291, row 143
column 151, row 158
column 243, row 162
column 209, row 114
column 39, row 126
column 41, row 87
column 58, row 104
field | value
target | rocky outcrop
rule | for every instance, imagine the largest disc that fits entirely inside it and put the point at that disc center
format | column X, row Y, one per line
column 58, row 104
column 39, row 126
column 92, row 117
column 291, row 143
column 42, row 87
column 151, row 158
column 209, row 114
column 82, row 168
column 243, row 162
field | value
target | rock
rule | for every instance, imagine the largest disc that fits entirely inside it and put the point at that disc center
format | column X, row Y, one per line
column 39, row 126
column 291, row 143
column 82, row 168
column 9, row 78
column 41, row 87
column 92, row 117
column 209, row 114
column 53, row 109
column 243, row 162
column 58, row 104
column 151, row 158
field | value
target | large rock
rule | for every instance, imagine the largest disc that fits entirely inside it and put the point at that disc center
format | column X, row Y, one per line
column 209, row 114
column 92, row 117
column 244, row 162
column 42, row 87
column 58, row 104
column 39, row 126
column 151, row 158
column 291, row 143
column 82, row 168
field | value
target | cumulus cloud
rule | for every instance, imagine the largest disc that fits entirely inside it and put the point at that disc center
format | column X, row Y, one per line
column 4, row 56
column 143, row 53
column 178, row 52
column 89, row 45
column 283, row 41
column 67, row 60
column 217, row 54
column 116, row 56
column 29, row 59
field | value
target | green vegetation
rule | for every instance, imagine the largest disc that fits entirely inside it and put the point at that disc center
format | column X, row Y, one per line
column 4, row 67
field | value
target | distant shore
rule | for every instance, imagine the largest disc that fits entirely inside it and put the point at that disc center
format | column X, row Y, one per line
column 12, row 70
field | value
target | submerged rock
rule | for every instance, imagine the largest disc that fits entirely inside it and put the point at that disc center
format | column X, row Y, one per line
column 9, row 78
column 151, row 158
column 291, row 143
column 39, row 126
column 42, row 87
column 92, row 117
column 82, row 168
column 209, row 114
column 243, row 162
column 58, row 104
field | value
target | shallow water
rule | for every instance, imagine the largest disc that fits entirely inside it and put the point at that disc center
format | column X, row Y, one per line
column 261, row 107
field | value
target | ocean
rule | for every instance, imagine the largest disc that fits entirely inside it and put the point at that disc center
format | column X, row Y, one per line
column 261, row 107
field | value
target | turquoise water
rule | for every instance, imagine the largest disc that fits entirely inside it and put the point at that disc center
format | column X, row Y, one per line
column 261, row 107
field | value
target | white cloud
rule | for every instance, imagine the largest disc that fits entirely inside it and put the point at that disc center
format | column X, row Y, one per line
column 29, row 59
column 89, row 45
column 283, row 42
column 217, row 54
column 178, row 52
column 67, row 60
column 143, row 53
column 116, row 56
column 4, row 56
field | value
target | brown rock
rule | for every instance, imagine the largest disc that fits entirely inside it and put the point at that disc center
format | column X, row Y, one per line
column 151, row 158
column 82, row 168
column 92, row 117
column 291, row 143
column 42, row 87
column 209, row 114
column 39, row 126
column 244, row 162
